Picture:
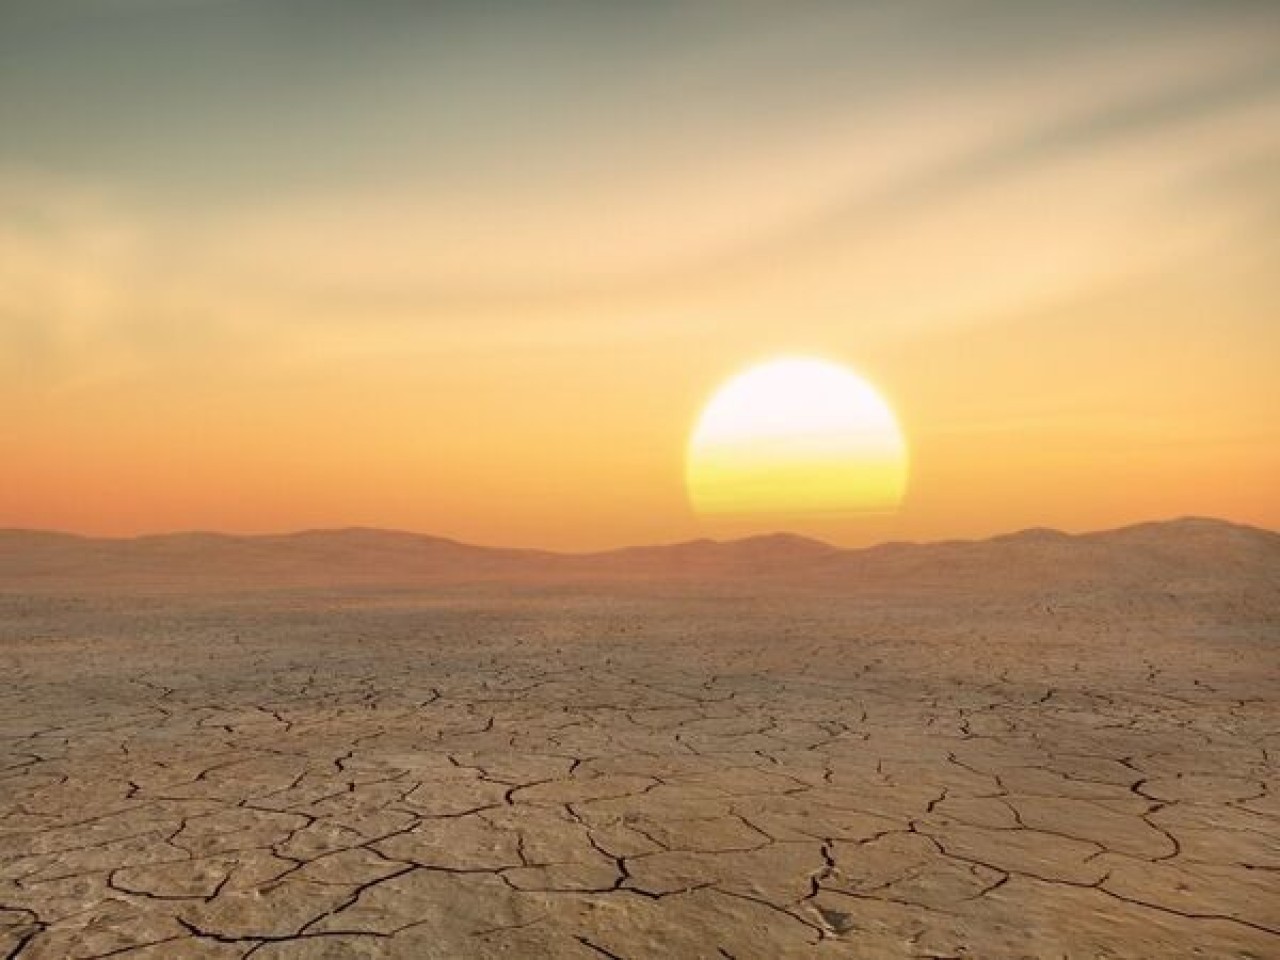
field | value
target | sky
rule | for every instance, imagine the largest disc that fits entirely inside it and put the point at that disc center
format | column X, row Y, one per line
column 474, row 268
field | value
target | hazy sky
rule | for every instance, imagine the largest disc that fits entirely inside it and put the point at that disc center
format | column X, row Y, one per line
column 473, row 268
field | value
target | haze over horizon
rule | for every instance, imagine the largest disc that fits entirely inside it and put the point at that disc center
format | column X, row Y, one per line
column 476, row 269
column 778, row 535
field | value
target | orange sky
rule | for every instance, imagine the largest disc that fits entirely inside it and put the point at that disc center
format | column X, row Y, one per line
column 483, row 289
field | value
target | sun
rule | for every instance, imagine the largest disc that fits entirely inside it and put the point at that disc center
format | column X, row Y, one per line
column 796, row 438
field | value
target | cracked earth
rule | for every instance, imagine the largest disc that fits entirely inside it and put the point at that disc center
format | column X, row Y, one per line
column 636, row 773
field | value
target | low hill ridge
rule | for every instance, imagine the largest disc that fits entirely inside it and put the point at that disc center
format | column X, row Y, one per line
column 1169, row 551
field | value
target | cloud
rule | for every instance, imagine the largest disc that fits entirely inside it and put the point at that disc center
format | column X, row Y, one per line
column 909, row 205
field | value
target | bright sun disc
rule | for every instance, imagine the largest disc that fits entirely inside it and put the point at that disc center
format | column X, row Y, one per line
column 796, row 437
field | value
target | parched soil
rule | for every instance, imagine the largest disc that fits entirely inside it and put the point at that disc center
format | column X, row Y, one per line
column 637, row 773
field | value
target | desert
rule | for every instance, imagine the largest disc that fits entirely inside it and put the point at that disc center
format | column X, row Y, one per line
column 368, row 744
column 639, row 481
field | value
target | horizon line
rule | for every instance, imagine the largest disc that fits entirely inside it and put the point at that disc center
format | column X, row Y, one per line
column 766, row 536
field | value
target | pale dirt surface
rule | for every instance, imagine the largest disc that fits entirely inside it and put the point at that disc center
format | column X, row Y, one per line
column 640, row 771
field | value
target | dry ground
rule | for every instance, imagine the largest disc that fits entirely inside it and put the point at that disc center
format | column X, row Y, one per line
column 637, row 772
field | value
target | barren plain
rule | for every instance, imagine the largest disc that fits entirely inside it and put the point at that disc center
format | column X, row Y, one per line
column 363, row 744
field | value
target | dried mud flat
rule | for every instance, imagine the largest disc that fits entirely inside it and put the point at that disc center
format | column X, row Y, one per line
column 638, row 772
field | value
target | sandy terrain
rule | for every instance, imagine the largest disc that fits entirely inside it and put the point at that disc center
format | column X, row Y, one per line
column 359, row 745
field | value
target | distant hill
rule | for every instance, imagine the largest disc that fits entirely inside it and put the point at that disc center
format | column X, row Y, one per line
column 1175, row 554
column 1169, row 552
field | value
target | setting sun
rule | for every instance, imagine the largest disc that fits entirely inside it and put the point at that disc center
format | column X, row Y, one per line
column 796, row 437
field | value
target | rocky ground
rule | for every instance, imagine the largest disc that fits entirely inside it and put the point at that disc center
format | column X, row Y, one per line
column 637, row 772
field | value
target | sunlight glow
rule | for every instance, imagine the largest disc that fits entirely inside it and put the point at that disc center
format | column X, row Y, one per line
column 794, row 437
